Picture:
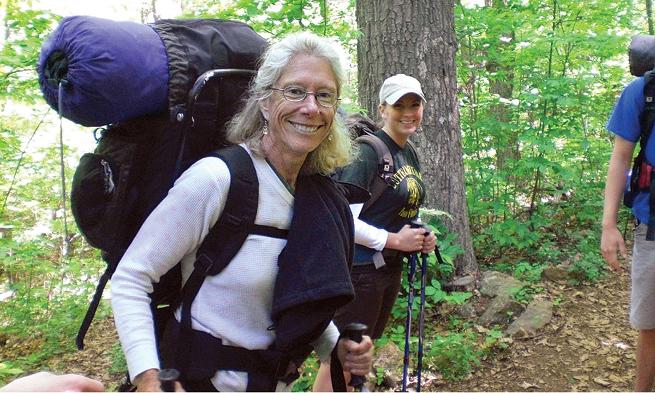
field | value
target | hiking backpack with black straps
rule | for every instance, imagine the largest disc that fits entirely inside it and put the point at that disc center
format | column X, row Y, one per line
column 642, row 171
column 137, row 160
column 209, row 66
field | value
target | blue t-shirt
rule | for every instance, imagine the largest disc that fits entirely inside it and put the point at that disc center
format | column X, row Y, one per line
column 624, row 122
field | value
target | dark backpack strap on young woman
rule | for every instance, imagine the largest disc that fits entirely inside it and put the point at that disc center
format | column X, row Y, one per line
column 385, row 166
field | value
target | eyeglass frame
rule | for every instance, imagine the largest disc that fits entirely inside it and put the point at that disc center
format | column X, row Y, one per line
column 307, row 93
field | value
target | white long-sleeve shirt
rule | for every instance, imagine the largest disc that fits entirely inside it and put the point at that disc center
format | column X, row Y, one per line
column 367, row 234
column 234, row 305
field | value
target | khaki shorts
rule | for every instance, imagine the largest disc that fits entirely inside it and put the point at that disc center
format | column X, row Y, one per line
column 642, row 296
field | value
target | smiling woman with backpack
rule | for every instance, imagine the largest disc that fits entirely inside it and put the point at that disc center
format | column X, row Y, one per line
column 249, row 324
column 382, row 228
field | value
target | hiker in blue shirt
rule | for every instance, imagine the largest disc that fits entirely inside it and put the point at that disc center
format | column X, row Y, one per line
column 625, row 125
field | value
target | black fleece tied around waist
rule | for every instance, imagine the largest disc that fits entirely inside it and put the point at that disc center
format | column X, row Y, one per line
column 314, row 268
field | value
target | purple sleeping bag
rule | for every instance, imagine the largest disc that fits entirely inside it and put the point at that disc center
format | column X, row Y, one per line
column 114, row 70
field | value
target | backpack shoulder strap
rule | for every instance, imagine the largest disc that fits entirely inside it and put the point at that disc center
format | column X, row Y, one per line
column 385, row 166
column 236, row 222
column 647, row 117
column 231, row 229
column 646, row 120
column 239, row 212
column 412, row 149
column 385, row 159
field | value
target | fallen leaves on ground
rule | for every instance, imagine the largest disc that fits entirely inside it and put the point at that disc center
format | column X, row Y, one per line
column 589, row 346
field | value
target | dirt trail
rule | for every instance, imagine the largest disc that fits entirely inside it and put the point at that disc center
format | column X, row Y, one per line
column 589, row 346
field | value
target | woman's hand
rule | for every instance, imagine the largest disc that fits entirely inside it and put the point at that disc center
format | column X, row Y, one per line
column 356, row 358
column 429, row 243
column 148, row 381
column 48, row 382
column 407, row 239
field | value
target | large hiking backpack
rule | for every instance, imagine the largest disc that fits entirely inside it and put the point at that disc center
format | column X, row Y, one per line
column 363, row 130
column 641, row 175
column 209, row 64
column 641, row 54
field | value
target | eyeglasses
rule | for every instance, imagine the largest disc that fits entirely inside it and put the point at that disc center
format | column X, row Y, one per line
column 297, row 94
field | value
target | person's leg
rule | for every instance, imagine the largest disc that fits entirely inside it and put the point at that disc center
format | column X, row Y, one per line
column 365, row 308
column 645, row 361
column 642, row 307
column 391, row 285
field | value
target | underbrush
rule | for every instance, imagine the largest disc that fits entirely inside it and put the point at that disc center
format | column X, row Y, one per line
column 564, row 234
column 45, row 299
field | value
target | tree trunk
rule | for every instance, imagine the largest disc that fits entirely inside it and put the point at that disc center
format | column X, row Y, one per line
column 501, row 83
column 148, row 9
column 649, row 16
column 417, row 37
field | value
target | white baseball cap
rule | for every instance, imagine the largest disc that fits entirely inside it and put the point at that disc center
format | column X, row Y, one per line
column 397, row 86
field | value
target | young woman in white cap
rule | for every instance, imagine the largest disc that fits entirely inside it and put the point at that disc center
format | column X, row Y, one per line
column 383, row 235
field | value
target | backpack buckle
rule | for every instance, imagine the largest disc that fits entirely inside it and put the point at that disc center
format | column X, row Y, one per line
column 203, row 264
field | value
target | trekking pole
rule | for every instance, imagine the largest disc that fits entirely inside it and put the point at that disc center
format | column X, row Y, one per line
column 408, row 322
column 421, row 319
column 354, row 332
column 167, row 378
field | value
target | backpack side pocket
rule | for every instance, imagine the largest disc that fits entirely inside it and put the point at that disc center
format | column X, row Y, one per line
column 99, row 194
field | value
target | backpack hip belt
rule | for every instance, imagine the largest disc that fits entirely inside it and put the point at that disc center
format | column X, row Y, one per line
column 199, row 355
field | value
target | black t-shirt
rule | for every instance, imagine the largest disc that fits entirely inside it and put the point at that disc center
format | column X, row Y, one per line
column 399, row 203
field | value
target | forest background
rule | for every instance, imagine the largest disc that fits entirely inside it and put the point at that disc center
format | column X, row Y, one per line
column 536, row 83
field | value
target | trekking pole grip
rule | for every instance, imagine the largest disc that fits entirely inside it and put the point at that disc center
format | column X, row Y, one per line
column 167, row 378
column 354, row 331
column 418, row 224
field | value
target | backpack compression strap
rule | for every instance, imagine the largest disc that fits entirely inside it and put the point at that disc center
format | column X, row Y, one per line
column 646, row 120
column 385, row 166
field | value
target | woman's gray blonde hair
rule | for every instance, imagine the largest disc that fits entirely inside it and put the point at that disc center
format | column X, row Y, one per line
column 246, row 126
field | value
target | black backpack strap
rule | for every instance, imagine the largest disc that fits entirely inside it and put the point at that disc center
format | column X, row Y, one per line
column 231, row 229
column 93, row 306
column 646, row 121
column 385, row 166
column 647, row 116
column 209, row 354
column 226, row 237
